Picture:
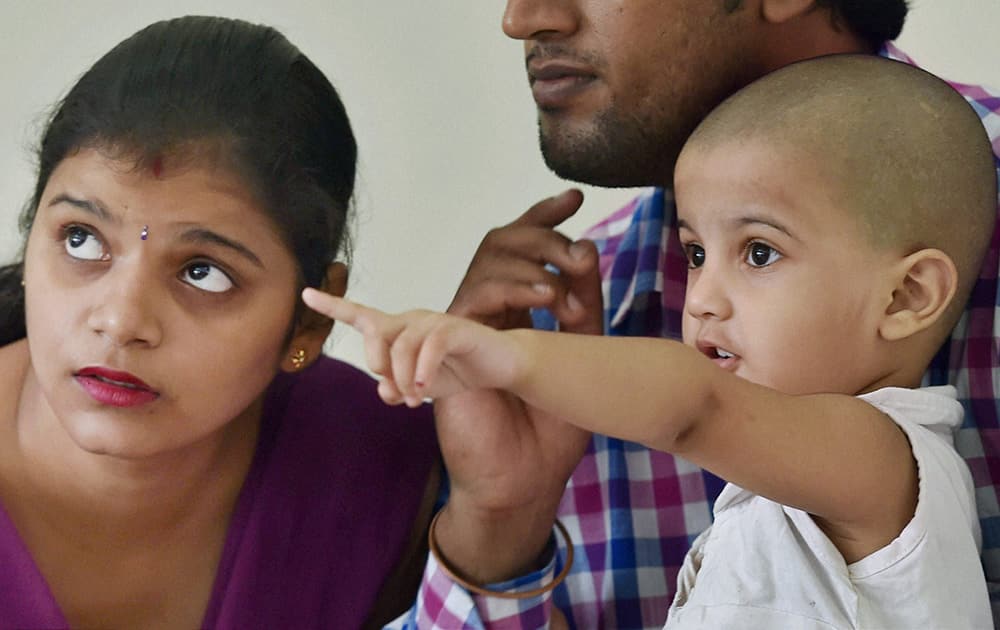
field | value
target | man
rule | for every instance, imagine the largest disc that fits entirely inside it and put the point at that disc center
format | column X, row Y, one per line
column 619, row 86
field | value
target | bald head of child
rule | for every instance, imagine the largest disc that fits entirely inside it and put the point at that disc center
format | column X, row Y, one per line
column 899, row 159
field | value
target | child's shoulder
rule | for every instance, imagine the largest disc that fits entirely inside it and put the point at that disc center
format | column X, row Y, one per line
column 936, row 408
column 929, row 417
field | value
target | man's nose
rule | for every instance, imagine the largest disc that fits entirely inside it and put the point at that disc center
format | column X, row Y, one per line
column 540, row 19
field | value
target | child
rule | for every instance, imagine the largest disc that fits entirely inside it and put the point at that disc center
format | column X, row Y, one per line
column 823, row 276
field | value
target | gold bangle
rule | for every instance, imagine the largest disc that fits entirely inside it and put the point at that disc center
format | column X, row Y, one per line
column 479, row 590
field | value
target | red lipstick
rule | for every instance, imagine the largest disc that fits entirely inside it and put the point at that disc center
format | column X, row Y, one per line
column 114, row 388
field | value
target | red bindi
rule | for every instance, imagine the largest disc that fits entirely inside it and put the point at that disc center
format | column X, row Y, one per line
column 157, row 167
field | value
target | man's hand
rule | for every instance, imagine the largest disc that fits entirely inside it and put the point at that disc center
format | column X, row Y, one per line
column 509, row 464
column 508, row 274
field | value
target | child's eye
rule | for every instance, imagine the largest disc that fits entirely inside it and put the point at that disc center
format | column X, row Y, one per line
column 761, row 255
column 207, row 277
column 695, row 255
column 82, row 244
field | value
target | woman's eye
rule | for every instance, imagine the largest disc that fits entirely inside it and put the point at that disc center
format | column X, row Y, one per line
column 761, row 255
column 695, row 255
column 82, row 244
column 207, row 277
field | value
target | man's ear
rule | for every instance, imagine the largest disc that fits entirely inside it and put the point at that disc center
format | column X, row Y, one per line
column 925, row 284
column 312, row 328
column 779, row 11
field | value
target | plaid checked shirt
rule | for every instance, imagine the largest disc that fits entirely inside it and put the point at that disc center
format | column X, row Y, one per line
column 631, row 512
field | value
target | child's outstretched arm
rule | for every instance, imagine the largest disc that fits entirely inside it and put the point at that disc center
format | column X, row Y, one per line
column 422, row 354
column 834, row 456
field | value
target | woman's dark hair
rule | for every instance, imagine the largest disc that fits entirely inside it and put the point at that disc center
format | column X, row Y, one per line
column 205, row 86
column 875, row 21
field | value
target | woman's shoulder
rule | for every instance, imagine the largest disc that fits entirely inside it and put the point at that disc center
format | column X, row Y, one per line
column 335, row 492
column 342, row 385
column 327, row 370
column 334, row 397
column 326, row 435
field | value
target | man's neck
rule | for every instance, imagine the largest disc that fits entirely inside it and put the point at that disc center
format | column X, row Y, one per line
column 813, row 34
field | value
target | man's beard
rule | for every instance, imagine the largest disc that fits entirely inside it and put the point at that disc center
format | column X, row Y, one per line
column 615, row 152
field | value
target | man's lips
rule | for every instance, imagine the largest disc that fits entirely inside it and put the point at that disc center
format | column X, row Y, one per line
column 548, row 70
column 555, row 83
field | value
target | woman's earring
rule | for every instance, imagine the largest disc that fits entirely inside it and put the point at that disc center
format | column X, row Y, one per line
column 298, row 358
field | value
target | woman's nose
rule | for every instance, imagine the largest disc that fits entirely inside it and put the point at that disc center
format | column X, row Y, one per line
column 127, row 314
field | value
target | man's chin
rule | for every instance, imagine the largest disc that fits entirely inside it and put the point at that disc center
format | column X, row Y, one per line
column 594, row 171
column 601, row 158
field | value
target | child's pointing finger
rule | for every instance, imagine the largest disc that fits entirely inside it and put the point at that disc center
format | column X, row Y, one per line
column 334, row 307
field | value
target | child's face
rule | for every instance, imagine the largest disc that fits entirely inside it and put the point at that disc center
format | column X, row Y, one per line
column 179, row 281
column 783, row 289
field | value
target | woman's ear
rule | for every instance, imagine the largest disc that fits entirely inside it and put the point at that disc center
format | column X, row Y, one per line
column 778, row 11
column 925, row 285
column 335, row 282
column 313, row 329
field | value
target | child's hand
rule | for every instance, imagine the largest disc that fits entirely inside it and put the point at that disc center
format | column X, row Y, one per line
column 423, row 354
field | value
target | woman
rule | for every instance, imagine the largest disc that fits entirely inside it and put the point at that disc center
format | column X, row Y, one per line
column 174, row 450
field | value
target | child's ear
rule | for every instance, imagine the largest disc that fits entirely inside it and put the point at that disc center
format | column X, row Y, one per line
column 925, row 284
column 778, row 11
column 312, row 328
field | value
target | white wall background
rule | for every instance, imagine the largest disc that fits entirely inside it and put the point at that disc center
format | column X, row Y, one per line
column 438, row 100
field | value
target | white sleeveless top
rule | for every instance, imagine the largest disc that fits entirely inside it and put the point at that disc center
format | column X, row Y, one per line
column 764, row 565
